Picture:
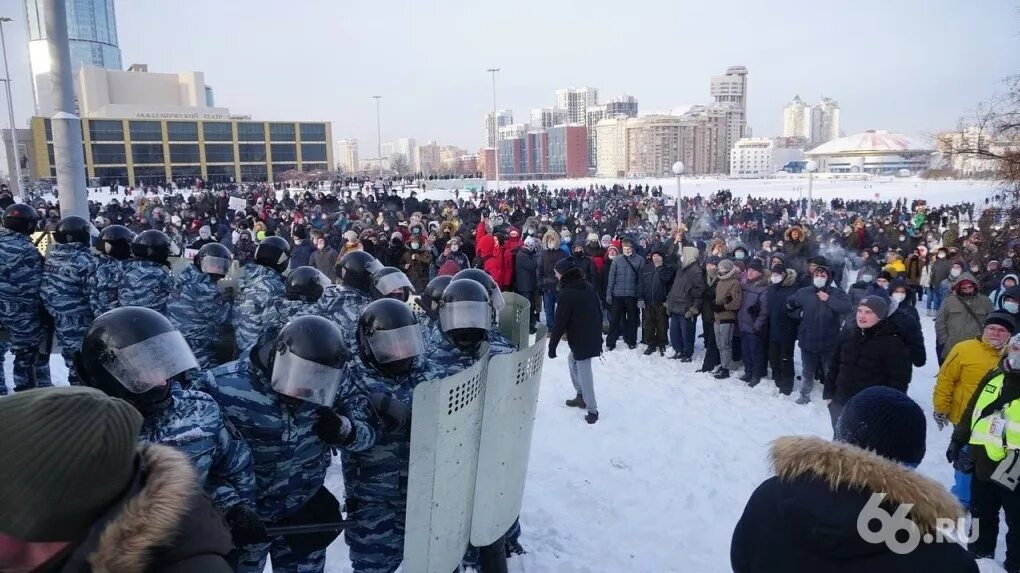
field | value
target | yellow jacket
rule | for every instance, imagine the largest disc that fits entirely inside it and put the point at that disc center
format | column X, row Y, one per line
column 958, row 378
column 896, row 268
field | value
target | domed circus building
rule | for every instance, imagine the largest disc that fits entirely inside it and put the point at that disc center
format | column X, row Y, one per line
column 875, row 152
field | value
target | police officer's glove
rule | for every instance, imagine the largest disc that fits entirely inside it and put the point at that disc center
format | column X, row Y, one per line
column 941, row 420
column 332, row 428
column 394, row 414
column 245, row 526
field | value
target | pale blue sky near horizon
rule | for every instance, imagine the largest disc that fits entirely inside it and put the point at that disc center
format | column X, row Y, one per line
column 912, row 66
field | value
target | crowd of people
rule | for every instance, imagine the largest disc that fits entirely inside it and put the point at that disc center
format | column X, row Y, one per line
column 310, row 352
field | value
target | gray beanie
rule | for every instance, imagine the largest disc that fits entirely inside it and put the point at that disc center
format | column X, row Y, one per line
column 66, row 454
column 877, row 304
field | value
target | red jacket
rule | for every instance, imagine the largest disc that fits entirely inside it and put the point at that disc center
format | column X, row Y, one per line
column 484, row 243
column 500, row 266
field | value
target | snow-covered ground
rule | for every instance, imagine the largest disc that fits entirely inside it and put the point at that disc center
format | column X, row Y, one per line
column 660, row 481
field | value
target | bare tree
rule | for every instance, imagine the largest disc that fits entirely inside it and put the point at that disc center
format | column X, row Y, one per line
column 399, row 164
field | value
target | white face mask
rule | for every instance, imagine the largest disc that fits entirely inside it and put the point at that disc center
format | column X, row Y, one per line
column 820, row 282
column 899, row 296
column 415, row 246
column 1011, row 307
column 454, row 248
column 955, row 273
column 776, row 279
column 942, row 255
column 867, row 278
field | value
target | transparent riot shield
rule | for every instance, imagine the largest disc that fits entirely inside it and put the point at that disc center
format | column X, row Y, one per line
column 513, row 319
column 511, row 400
column 446, row 428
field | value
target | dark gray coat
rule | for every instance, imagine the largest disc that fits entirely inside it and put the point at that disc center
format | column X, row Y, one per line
column 688, row 289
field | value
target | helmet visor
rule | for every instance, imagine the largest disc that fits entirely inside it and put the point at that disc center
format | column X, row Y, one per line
column 398, row 344
column 306, row 380
column 391, row 282
column 215, row 265
column 464, row 314
column 498, row 302
column 151, row 362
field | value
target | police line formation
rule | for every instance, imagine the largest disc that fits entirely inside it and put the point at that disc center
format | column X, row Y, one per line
column 317, row 351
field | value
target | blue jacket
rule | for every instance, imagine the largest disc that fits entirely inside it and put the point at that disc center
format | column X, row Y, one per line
column 199, row 309
column 301, row 254
column 343, row 306
column 65, row 279
column 820, row 322
column 146, row 284
column 259, row 286
column 21, row 270
column 623, row 277
column 194, row 424
column 290, row 460
column 526, row 271
column 104, row 284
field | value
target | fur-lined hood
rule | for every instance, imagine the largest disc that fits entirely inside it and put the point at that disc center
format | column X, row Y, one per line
column 154, row 518
column 843, row 466
column 550, row 235
column 788, row 235
column 789, row 278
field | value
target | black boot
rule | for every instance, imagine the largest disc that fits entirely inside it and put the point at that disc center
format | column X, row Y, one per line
column 686, row 359
column 650, row 350
column 722, row 374
column 755, row 380
column 746, row 377
column 662, row 351
column 577, row 402
column 591, row 417
column 676, row 356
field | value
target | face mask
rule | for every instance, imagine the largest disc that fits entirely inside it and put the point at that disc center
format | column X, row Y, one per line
column 776, row 279
column 974, row 269
column 454, row 248
column 415, row 246
column 867, row 278
column 902, row 237
column 739, row 256
column 820, row 282
column 955, row 273
column 899, row 296
column 1011, row 307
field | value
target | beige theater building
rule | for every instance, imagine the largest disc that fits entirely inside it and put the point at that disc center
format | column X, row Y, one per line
column 142, row 128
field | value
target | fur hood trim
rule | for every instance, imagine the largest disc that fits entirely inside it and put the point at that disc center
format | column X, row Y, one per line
column 789, row 277
column 788, row 235
column 550, row 235
column 846, row 466
column 149, row 519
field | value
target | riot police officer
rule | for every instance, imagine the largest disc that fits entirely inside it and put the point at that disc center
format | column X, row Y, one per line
column 64, row 287
column 197, row 307
column 114, row 248
column 260, row 284
column 146, row 281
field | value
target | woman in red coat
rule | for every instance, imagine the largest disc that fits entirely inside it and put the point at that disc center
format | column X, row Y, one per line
column 500, row 265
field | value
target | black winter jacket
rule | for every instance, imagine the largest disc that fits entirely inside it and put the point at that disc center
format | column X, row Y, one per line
column 546, row 277
column 579, row 316
column 526, row 270
column 804, row 519
column 687, row 290
column 867, row 357
column 781, row 326
column 654, row 283
column 909, row 326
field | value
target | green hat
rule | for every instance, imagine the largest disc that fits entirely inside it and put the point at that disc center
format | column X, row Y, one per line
column 66, row 454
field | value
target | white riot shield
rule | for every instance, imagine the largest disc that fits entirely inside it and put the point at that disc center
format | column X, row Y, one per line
column 513, row 319
column 511, row 399
column 446, row 426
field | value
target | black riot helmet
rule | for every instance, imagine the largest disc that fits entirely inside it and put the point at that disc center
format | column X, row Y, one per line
column 306, row 360
column 115, row 241
column 273, row 252
column 72, row 229
column 21, row 218
column 355, row 270
column 132, row 353
column 429, row 299
column 305, row 284
column 465, row 314
column 214, row 260
column 152, row 245
column 391, row 282
column 496, row 300
column 389, row 337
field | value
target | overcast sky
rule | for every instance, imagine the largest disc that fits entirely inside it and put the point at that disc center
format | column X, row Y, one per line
column 914, row 66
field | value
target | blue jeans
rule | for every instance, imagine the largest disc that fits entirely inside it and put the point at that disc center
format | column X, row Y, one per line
column 549, row 306
column 811, row 362
column 681, row 334
column 937, row 295
column 752, row 346
column 961, row 484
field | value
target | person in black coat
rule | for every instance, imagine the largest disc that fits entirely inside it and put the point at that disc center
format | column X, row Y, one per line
column 526, row 277
column 782, row 329
column 907, row 320
column 579, row 317
column 654, row 282
column 805, row 518
column 873, row 354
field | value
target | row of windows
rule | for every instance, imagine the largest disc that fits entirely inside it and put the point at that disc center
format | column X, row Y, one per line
column 114, row 153
column 214, row 173
column 142, row 130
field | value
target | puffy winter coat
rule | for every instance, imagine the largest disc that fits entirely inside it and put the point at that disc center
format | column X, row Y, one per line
column 547, row 262
column 960, row 317
column 687, row 290
column 579, row 316
column 324, row 259
column 526, row 271
column 623, row 276
column 866, row 357
column 804, row 519
column 964, row 367
column 908, row 324
column 754, row 306
column 415, row 265
column 499, row 265
column 940, row 271
column 168, row 525
column 820, row 321
column 301, row 254
column 728, row 297
column 781, row 326
column 655, row 283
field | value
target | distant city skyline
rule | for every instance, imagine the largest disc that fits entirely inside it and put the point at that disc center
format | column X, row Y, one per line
column 881, row 69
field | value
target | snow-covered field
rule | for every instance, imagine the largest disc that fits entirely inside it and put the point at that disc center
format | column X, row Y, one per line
column 660, row 481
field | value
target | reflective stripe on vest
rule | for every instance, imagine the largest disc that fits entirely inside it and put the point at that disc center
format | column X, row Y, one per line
column 981, row 434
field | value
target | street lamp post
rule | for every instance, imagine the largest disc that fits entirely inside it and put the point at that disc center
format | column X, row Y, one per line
column 810, row 167
column 10, row 111
column 678, row 169
column 495, row 124
column 378, row 131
